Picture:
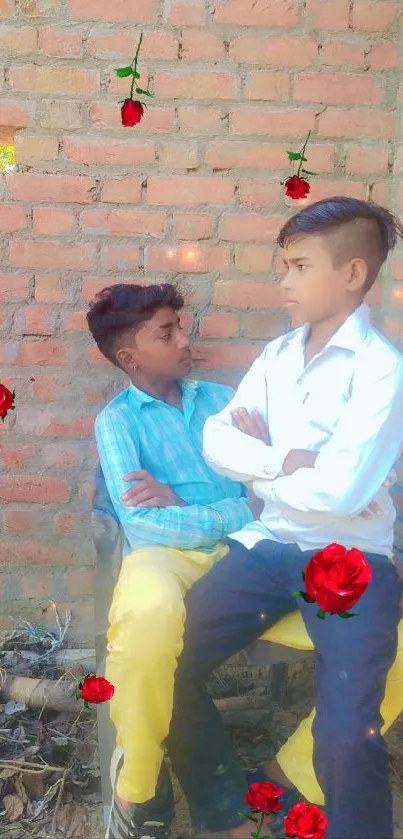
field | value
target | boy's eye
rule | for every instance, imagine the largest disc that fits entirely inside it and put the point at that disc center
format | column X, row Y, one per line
column 302, row 267
column 166, row 337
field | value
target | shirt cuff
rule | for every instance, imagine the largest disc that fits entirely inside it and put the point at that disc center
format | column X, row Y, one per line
column 273, row 465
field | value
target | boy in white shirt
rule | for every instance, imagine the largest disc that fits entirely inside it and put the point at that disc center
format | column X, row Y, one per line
column 331, row 394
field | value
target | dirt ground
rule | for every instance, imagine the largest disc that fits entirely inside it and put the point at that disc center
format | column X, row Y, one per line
column 49, row 769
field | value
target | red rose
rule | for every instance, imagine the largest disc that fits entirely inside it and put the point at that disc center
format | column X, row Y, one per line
column 305, row 821
column 297, row 188
column 264, row 797
column 132, row 113
column 6, row 401
column 336, row 578
column 96, row 689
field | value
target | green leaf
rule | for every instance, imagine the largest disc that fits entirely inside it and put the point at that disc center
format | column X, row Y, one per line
column 255, row 835
column 321, row 614
column 136, row 74
column 143, row 92
column 124, row 72
column 306, row 172
column 302, row 595
column 296, row 155
column 248, row 817
column 346, row 615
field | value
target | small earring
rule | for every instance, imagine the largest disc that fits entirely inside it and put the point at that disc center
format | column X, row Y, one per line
column 134, row 367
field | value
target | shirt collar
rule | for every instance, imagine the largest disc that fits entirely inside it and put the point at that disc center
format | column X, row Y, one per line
column 189, row 388
column 348, row 336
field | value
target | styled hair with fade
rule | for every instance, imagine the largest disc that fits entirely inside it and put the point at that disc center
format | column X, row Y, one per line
column 354, row 229
column 125, row 307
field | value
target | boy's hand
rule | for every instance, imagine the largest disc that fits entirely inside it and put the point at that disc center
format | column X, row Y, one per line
column 251, row 424
column 149, row 492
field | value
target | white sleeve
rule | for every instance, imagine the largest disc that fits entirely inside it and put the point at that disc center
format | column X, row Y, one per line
column 352, row 466
column 229, row 451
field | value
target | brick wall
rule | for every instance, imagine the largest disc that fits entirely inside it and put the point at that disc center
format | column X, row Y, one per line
column 192, row 194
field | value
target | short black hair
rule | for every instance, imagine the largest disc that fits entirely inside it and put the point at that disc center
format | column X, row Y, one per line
column 124, row 307
column 356, row 229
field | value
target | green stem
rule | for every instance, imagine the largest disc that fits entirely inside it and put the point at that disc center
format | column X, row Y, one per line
column 134, row 65
column 303, row 154
column 260, row 824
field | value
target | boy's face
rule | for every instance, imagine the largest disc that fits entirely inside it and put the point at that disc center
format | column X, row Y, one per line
column 159, row 348
column 314, row 290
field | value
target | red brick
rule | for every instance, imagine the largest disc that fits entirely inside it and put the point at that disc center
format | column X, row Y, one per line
column 183, row 155
column 90, row 150
column 23, row 40
column 248, row 294
column 79, row 581
column 36, row 584
column 202, row 45
column 186, row 13
column 29, row 149
column 189, row 191
column 7, row 8
column 264, row 325
column 13, row 288
column 46, row 388
column 259, row 193
column 201, row 121
column 267, row 85
column 349, row 88
column 397, row 268
column 374, row 15
column 12, row 218
column 57, row 80
column 159, row 45
column 227, row 154
column 38, row 320
column 95, row 357
column 227, row 356
column 385, row 57
column 33, row 489
column 284, row 51
column 79, row 428
column 63, row 43
column 120, row 257
column 42, row 353
column 249, row 227
column 75, row 322
column 119, row 88
column 254, row 259
column 51, row 221
column 339, row 54
column 62, row 114
column 366, row 161
column 14, row 115
column 326, row 189
column 59, row 188
column 20, row 521
column 326, row 14
column 48, row 289
column 156, row 120
column 361, row 122
column 29, row 553
column 381, row 193
column 15, row 458
column 123, row 222
column 61, row 456
column 196, row 85
column 27, row 254
column 187, row 259
column 192, row 226
column 258, row 13
column 220, row 325
column 121, row 191
column 120, row 10
column 293, row 121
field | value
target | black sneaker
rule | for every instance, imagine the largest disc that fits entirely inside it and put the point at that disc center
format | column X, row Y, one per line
column 126, row 820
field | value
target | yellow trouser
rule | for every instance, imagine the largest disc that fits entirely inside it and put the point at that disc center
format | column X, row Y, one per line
column 145, row 639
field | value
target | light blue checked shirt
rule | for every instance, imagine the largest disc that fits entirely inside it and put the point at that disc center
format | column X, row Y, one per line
column 136, row 431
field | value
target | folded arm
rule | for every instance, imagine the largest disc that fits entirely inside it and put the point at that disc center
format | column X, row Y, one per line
column 187, row 526
column 351, row 468
column 234, row 453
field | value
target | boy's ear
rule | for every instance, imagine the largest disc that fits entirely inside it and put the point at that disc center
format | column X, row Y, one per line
column 358, row 274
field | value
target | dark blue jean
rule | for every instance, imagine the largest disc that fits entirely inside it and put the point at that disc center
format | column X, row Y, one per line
column 244, row 594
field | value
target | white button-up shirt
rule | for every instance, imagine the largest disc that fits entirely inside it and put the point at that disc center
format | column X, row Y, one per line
column 346, row 404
